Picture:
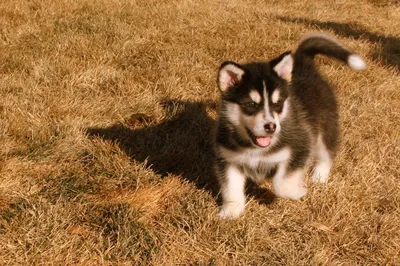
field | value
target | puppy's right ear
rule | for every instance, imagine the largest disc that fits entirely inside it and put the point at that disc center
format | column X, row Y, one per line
column 230, row 74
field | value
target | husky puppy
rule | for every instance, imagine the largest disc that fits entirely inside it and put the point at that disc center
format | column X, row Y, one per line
column 274, row 118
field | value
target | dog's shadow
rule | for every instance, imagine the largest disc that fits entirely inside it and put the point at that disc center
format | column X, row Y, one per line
column 179, row 145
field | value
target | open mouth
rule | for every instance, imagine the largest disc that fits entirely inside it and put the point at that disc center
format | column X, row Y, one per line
column 261, row 141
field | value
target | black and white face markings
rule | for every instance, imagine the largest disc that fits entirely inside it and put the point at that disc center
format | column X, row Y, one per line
column 254, row 100
column 262, row 115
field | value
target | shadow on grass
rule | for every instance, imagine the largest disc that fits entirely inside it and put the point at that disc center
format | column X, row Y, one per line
column 389, row 51
column 181, row 145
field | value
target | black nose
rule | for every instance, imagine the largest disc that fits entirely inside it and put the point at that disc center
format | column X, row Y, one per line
column 270, row 127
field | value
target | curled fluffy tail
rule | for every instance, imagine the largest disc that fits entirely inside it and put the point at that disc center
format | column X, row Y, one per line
column 319, row 43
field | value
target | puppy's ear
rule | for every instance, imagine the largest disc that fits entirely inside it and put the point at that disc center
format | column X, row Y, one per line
column 230, row 74
column 283, row 66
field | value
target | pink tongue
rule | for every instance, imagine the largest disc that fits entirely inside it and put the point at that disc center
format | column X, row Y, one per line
column 263, row 141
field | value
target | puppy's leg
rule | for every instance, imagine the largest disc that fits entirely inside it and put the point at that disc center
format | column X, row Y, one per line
column 323, row 162
column 232, row 191
column 289, row 184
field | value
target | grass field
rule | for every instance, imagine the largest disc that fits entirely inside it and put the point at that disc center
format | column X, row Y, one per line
column 106, row 114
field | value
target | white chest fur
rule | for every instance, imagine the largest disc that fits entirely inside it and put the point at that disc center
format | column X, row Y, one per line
column 253, row 158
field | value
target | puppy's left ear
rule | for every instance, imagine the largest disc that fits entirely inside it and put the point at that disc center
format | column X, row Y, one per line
column 283, row 66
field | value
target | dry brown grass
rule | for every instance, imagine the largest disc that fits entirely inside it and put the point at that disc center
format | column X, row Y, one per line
column 84, row 181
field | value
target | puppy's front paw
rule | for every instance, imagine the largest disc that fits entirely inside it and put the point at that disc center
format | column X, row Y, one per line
column 298, row 192
column 292, row 187
column 231, row 210
column 291, row 191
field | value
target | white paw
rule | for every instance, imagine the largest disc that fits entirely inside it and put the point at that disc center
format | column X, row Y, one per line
column 321, row 173
column 231, row 210
column 292, row 187
column 293, row 192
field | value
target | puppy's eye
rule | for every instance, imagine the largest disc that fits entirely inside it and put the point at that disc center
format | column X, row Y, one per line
column 250, row 104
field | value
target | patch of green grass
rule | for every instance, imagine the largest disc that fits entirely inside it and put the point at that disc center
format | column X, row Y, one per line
column 11, row 212
column 69, row 187
column 123, row 238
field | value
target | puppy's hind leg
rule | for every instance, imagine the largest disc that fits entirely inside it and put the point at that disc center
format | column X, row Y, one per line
column 323, row 162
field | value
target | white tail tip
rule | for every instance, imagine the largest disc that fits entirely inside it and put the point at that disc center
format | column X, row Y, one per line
column 356, row 62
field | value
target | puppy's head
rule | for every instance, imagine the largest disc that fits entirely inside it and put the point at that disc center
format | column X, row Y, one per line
column 254, row 97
